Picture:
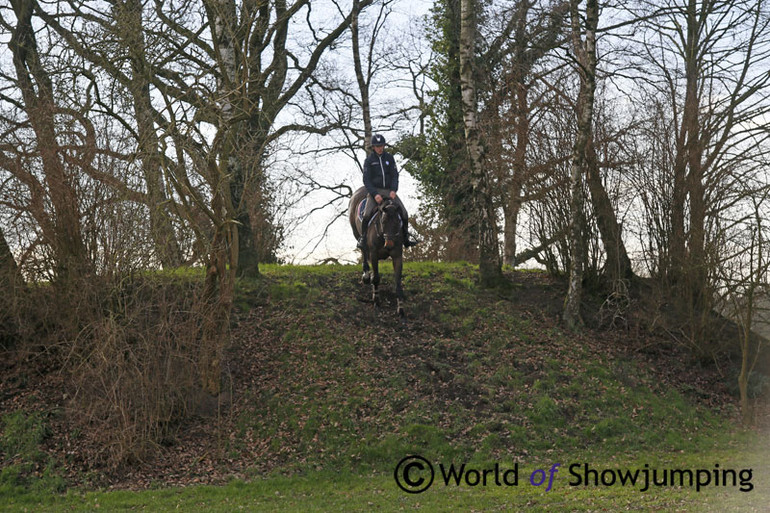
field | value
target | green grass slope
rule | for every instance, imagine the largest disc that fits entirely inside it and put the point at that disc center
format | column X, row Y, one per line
column 323, row 381
column 328, row 395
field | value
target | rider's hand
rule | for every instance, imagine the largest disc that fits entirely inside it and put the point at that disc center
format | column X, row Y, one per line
column 392, row 195
column 378, row 198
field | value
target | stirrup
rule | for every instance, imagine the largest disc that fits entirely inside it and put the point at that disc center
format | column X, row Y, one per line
column 361, row 243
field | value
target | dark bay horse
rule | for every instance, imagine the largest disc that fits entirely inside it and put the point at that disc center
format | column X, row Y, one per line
column 383, row 240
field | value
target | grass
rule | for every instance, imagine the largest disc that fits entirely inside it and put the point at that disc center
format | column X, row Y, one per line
column 326, row 491
column 29, row 468
column 469, row 380
column 331, row 397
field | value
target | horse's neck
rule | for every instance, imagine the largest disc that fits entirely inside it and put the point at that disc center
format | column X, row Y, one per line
column 374, row 219
column 379, row 229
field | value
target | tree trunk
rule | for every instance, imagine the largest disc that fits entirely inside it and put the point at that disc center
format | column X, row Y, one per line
column 10, row 285
column 697, row 265
column 511, row 211
column 72, row 261
column 585, row 53
column 576, row 244
column 743, row 376
column 490, row 271
column 8, row 269
column 758, row 268
column 687, row 157
column 243, row 197
column 232, row 93
column 363, row 81
column 618, row 264
column 687, row 273
column 129, row 18
column 514, row 199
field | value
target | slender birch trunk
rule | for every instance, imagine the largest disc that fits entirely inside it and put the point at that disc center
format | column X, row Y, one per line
column 489, row 254
column 585, row 54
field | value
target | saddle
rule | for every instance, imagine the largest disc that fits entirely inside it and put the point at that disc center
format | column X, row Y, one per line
column 362, row 208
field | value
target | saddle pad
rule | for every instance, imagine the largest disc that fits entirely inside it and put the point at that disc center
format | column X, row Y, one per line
column 361, row 209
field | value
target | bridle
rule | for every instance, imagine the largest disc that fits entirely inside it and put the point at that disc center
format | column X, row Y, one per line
column 387, row 210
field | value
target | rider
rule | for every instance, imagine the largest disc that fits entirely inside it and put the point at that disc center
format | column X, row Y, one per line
column 381, row 181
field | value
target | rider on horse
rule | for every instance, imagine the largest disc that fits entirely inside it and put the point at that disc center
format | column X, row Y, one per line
column 381, row 181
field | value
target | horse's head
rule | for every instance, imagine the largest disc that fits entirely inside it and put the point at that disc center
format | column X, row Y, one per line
column 390, row 222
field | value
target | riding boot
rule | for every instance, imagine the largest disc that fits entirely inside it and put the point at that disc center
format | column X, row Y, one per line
column 362, row 239
column 408, row 242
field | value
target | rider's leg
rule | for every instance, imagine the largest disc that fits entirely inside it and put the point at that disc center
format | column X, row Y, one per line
column 368, row 210
column 408, row 242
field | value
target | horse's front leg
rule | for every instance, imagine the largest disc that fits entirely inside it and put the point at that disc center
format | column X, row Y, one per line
column 366, row 276
column 398, row 265
column 375, row 281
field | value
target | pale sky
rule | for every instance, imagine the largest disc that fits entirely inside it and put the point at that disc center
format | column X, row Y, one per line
column 339, row 242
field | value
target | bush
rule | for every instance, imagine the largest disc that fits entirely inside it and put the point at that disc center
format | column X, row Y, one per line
column 129, row 349
column 134, row 367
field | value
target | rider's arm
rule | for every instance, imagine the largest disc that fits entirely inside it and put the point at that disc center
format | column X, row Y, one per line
column 370, row 188
column 394, row 181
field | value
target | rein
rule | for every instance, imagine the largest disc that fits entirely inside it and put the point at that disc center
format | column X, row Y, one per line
column 389, row 238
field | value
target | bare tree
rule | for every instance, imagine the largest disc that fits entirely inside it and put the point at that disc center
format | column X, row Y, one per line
column 743, row 294
column 517, row 101
column 714, row 104
column 585, row 58
column 129, row 25
column 115, row 43
column 484, row 211
column 60, row 223
column 260, row 74
column 754, row 290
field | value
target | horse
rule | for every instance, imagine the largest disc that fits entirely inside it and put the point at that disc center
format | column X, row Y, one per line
column 383, row 240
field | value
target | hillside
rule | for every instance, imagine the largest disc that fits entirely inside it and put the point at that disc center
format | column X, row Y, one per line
column 316, row 380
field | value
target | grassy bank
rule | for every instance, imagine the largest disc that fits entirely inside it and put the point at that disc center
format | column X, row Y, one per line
column 328, row 396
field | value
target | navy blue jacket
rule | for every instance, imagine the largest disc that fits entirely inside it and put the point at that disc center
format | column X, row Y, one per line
column 380, row 172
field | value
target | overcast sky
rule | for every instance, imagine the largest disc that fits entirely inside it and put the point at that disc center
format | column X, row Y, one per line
column 339, row 242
